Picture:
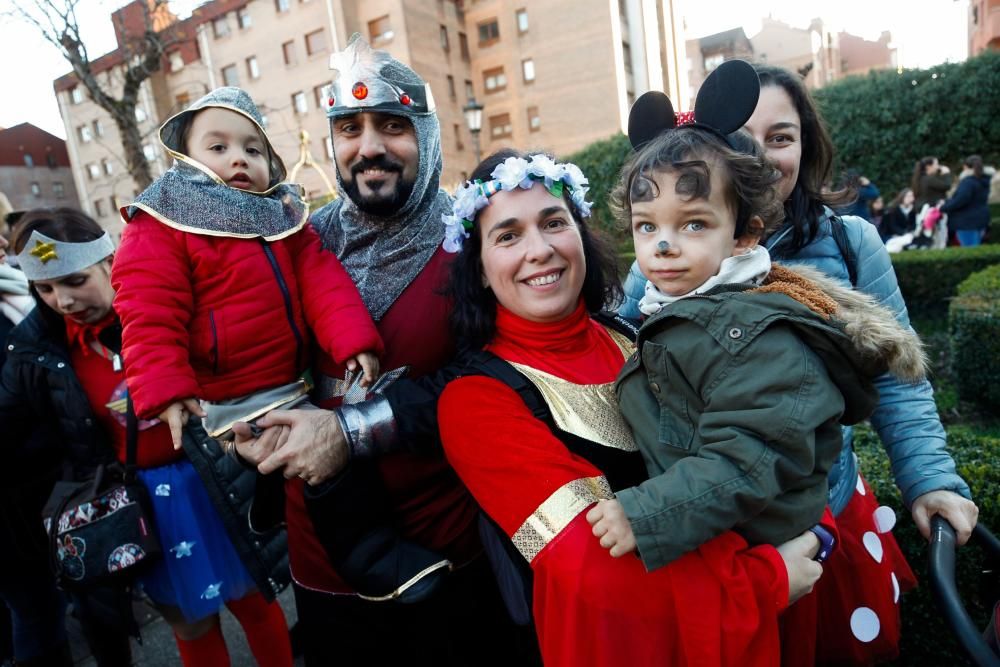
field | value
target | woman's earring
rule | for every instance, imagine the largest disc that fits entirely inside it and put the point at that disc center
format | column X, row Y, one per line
column 662, row 247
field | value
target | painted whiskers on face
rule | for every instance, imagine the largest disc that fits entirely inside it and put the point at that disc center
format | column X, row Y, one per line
column 532, row 254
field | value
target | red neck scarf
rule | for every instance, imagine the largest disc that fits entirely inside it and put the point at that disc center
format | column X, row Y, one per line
column 80, row 334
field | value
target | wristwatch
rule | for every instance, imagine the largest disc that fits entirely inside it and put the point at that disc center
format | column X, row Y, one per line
column 827, row 542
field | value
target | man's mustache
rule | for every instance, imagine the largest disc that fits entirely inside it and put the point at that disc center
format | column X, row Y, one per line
column 382, row 162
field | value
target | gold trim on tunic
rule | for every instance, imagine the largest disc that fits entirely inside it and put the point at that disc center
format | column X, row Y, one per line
column 558, row 510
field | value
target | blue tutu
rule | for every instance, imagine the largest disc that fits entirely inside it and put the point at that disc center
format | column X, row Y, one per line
column 200, row 569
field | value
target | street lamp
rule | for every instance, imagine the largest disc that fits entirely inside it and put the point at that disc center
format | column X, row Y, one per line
column 474, row 120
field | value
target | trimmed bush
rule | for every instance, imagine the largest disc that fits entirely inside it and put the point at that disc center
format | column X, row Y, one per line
column 929, row 278
column 926, row 638
column 974, row 323
column 885, row 121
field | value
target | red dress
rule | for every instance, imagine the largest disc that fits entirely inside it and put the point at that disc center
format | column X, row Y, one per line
column 717, row 605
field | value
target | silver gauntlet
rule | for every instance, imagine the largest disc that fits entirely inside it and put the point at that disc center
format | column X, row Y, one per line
column 369, row 426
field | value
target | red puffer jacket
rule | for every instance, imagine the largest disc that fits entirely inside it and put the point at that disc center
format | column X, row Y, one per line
column 218, row 317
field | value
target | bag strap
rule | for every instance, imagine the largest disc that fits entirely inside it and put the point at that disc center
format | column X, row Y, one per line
column 839, row 232
column 131, row 439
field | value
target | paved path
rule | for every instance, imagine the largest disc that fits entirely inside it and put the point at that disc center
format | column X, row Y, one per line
column 158, row 648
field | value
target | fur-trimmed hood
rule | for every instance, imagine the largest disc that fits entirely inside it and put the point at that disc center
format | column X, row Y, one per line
column 874, row 331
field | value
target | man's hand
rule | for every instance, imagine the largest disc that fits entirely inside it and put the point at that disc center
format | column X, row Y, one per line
column 315, row 449
column 803, row 571
column 176, row 415
column 612, row 526
column 960, row 512
column 256, row 448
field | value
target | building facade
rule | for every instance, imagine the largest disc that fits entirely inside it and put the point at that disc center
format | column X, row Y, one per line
column 984, row 25
column 555, row 75
column 707, row 53
column 34, row 168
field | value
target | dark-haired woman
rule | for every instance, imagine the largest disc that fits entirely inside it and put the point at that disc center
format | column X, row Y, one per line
column 967, row 209
column 930, row 182
column 858, row 623
column 64, row 371
column 526, row 283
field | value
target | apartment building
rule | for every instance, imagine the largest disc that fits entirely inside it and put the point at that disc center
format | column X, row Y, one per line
column 34, row 168
column 556, row 75
column 984, row 25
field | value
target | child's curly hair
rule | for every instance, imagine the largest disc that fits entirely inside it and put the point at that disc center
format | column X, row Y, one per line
column 692, row 153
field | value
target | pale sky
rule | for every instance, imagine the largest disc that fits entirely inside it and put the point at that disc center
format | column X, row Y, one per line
column 925, row 32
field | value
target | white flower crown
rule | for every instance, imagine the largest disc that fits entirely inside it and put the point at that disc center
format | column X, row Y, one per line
column 514, row 172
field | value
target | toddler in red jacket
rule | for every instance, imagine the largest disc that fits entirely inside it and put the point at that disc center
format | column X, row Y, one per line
column 219, row 279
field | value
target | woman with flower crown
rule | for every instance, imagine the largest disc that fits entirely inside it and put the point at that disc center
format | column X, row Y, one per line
column 528, row 282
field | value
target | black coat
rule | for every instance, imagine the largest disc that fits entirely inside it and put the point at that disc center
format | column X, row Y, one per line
column 968, row 209
column 897, row 223
column 39, row 390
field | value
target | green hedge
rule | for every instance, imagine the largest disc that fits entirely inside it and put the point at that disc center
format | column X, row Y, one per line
column 602, row 162
column 926, row 639
column 885, row 121
column 974, row 323
column 929, row 278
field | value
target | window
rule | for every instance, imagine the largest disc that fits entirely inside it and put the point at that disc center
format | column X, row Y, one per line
column 253, row 69
column 627, row 56
column 443, row 32
column 528, row 70
column 243, row 18
column 28, row 160
column 380, row 30
column 281, row 6
column 58, row 190
column 106, row 166
column 288, row 51
column 149, row 152
column 494, row 79
column 140, row 115
column 315, row 42
column 463, row 46
column 489, row 32
column 36, row 189
column 220, row 27
column 458, row 137
column 522, row 20
column 113, row 201
column 76, row 95
column 534, row 120
column 451, row 86
column 84, row 133
column 500, row 126
column 99, row 207
column 93, row 171
column 469, row 91
column 176, row 61
column 713, row 61
column 328, row 146
column 229, row 76
column 98, row 128
column 322, row 96
column 50, row 160
column 299, row 102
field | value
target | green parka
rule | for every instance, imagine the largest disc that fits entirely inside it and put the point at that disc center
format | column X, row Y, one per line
column 736, row 397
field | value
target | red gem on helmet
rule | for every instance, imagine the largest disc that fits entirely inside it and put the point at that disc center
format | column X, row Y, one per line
column 360, row 91
column 684, row 117
column 405, row 99
column 330, row 101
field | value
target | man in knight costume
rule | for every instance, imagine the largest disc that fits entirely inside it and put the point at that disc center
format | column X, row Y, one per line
column 387, row 231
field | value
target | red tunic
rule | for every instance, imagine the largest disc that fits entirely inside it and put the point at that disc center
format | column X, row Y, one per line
column 717, row 605
column 431, row 505
column 206, row 317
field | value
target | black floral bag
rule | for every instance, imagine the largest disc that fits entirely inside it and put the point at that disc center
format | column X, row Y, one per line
column 102, row 531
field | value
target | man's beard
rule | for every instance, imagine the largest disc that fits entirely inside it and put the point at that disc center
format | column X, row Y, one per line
column 383, row 201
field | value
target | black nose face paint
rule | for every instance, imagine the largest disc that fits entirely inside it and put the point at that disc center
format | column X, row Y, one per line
column 662, row 246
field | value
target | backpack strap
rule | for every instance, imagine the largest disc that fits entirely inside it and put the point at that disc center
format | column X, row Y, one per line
column 838, row 230
column 614, row 321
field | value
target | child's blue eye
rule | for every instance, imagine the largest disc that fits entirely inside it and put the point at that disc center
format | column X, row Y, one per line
column 695, row 226
column 646, row 228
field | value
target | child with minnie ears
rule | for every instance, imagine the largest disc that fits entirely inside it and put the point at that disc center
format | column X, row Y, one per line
column 745, row 369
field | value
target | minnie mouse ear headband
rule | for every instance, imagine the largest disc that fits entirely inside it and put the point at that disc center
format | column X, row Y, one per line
column 725, row 102
column 514, row 172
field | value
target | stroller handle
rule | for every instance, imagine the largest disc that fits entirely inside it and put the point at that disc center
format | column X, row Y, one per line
column 942, row 575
